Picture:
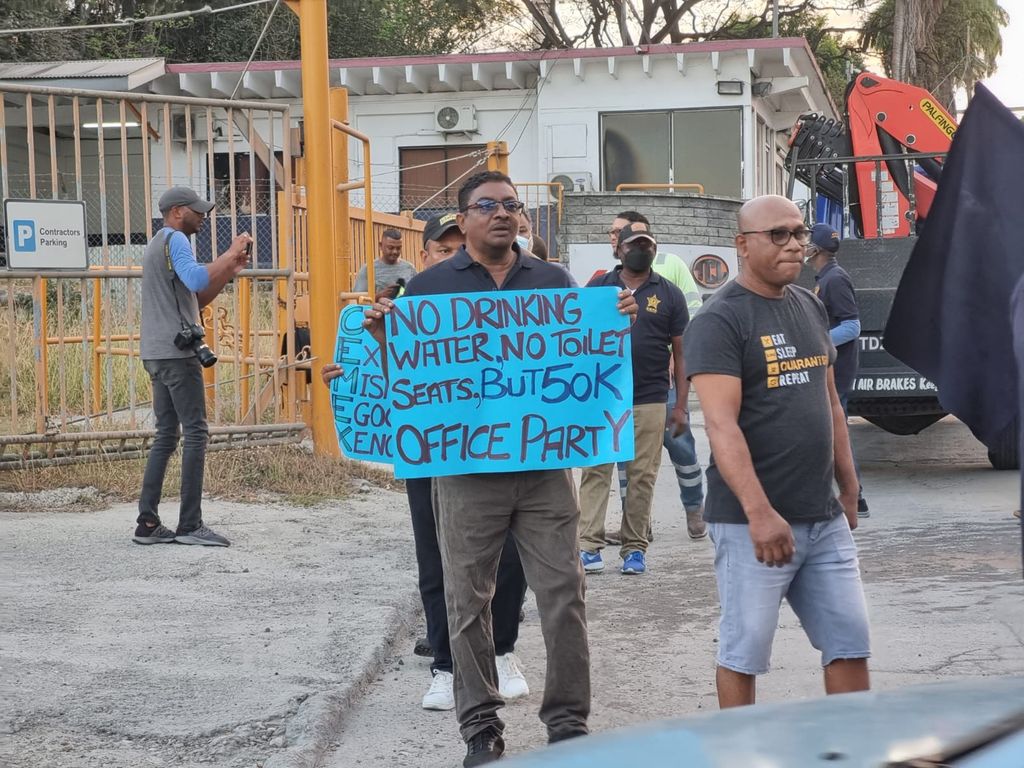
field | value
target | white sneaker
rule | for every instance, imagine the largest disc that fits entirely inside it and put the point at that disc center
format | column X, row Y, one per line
column 440, row 696
column 511, row 682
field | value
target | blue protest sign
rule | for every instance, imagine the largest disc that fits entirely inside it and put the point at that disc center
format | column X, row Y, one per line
column 362, row 413
column 507, row 381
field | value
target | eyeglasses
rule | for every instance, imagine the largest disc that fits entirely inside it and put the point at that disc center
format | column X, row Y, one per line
column 781, row 236
column 487, row 207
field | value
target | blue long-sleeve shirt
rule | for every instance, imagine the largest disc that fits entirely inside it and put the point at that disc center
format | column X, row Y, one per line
column 192, row 274
column 847, row 330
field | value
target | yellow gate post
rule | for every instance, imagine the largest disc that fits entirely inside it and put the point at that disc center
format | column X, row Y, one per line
column 497, row 156
column 323, row 315
column 342, row 223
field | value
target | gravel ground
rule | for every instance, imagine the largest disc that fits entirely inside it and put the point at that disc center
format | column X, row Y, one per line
column 114, row 654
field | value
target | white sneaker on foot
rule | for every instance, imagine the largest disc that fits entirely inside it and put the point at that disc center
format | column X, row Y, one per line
column 511, row 682
column 440, row 696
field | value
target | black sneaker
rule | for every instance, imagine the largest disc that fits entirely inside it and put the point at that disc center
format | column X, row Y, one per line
column 158, row 534
column 485, row 747
column 422, row 648
column 557, row 736
column 862, row 507
column 202, row 535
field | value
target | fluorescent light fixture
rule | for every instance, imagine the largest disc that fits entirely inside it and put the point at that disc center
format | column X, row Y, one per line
column 116, row 124
column 730, row 87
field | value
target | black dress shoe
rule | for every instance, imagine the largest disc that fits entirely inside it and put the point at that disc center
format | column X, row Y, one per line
column 554, row 738
column 484, row 747
column 422, row 648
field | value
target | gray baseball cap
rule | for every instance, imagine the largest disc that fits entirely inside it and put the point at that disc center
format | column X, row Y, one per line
column 187, row 196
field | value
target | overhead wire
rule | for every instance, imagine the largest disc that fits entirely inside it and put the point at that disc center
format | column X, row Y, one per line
column 452, row 183
column 204, row 11
column 474, row 153
column 255, row 48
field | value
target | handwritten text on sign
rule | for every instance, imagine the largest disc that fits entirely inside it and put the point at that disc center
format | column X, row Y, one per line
column 510, row 380
column 362, row 412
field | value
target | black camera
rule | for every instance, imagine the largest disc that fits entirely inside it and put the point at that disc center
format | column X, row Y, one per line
column 191, row 337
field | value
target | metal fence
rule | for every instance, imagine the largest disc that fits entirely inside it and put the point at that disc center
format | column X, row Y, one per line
column 71, row 383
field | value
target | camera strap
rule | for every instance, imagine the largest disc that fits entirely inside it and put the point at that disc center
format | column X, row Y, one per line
column 174, row 276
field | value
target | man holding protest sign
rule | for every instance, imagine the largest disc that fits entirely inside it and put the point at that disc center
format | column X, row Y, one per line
column 475, row 512
column 441, row 239
column 762, row 362
column 657, row 338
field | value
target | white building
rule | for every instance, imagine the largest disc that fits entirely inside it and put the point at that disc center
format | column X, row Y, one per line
column 716, row 113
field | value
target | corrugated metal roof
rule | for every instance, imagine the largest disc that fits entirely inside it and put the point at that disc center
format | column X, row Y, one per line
column 53, row 70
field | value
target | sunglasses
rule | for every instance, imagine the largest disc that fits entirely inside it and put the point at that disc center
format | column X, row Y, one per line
column 781, row 236
column 487, row 206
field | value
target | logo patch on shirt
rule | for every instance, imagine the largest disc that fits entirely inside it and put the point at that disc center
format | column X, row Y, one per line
column 784, row 366
column 652, row 304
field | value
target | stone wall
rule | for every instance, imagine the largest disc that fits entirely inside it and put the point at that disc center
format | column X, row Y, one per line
column 675, row 218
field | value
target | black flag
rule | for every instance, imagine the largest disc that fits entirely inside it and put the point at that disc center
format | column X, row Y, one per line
column 950, row 319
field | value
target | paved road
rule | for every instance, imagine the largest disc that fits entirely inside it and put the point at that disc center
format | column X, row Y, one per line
column 941, row 564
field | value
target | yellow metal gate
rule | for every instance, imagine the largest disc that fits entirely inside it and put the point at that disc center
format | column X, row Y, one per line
column 71, row 385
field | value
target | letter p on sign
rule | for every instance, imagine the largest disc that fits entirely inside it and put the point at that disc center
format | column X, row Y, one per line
column 24, row 235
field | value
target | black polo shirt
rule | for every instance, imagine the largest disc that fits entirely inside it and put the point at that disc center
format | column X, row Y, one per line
column 461, row 274
column 661, row 316
column 835, row 289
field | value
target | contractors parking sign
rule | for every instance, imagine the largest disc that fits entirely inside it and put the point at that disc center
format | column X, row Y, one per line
column 45, row 234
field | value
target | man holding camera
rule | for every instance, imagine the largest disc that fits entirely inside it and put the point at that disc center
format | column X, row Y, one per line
column 174, row 288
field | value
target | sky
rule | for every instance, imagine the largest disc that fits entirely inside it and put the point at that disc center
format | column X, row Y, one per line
column 1008, row 81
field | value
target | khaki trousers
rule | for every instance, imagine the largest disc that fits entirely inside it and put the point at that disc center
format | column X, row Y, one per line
column 474, row 514
column 641, row 472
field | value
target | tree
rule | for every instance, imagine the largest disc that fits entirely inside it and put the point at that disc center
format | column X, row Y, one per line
column 22, row 14
column 942, row 51
column 355, row 28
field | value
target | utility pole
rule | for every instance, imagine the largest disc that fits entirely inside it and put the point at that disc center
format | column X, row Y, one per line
column 320, row 193
column 775, row 18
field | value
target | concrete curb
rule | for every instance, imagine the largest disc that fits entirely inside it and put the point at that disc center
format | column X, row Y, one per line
column 319, row 718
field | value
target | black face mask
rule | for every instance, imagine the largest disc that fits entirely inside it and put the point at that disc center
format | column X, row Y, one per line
column 638, row 259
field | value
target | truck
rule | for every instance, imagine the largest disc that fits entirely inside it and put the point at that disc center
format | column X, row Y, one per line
column 873, row 175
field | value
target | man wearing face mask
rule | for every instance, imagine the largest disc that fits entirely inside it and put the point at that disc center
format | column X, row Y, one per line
column 682, row 449
column 656, row 338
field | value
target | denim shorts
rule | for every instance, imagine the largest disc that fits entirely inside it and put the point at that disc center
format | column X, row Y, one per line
column 822, row 584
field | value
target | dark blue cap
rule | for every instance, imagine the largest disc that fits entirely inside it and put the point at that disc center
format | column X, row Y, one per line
column 825, row 237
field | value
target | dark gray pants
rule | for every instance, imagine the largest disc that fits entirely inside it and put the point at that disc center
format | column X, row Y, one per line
column 474, row 514
column 179, row 399
column 508, row 594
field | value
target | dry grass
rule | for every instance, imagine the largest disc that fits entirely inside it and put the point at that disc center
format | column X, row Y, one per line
column 290, row 474
column 123, row 383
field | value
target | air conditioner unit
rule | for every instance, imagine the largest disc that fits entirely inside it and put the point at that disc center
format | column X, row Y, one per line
column 199, row 133
column 455, row 118
column 574, row 181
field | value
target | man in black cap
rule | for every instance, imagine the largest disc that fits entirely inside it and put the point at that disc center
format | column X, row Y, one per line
column 656, row 339
column 442, row 238
column 174, row 288
column 835, row 289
